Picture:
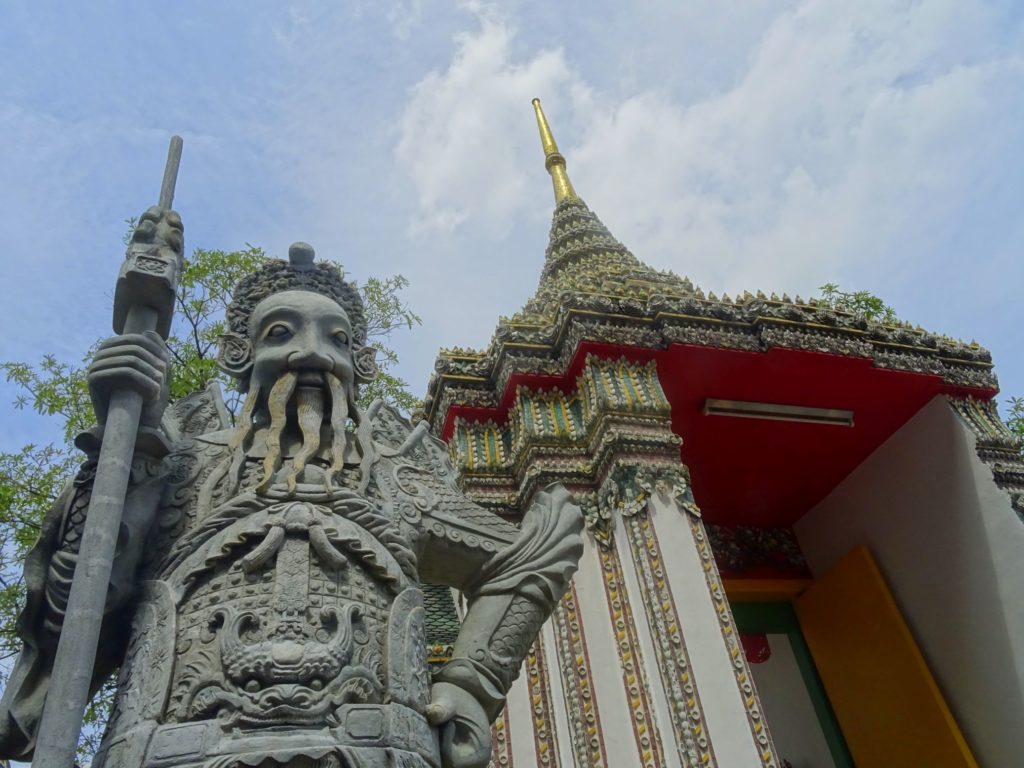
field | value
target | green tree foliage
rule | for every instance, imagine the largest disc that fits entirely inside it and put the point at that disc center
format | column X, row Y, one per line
column 1016, row 420
column 863, row 303
column 31, row 478
column 203, row 296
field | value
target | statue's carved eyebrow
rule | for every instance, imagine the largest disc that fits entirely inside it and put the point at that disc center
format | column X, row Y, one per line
column 339, row 319
column 285, row 312
column 277, row 313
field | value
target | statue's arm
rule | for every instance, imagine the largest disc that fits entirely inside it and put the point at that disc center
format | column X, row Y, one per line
column 49, row 568
column 510, row 595
column 127, row 362
column 61, row 552
column 512, row 579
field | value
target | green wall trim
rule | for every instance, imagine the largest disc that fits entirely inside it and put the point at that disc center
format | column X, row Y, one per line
column 780, row 619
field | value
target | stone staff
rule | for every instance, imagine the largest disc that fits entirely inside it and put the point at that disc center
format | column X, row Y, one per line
column 143, row 301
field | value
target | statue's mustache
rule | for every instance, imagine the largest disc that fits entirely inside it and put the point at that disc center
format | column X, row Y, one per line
column 309, row 404
column 277, row 405
column 300, row 396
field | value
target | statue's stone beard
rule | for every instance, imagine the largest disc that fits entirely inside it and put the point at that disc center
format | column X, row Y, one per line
column 288, row 405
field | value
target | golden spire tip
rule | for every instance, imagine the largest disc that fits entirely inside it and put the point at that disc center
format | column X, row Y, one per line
column 553, row 159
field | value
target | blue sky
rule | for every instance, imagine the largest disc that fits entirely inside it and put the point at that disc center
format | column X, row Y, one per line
column 757, row 144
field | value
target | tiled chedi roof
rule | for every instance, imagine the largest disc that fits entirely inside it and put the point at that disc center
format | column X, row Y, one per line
column 593, row 288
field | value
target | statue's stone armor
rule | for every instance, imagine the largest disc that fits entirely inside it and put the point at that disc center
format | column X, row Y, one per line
column 290, row 624
column 262, row 612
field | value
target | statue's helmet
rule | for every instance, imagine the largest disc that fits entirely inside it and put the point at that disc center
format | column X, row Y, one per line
column 300, row 273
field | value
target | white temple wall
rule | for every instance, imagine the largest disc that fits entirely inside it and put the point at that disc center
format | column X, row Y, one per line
column 952, row 551
column 518, row 721
column 605, row 690
column 612, row 703
column 796, row 729
column 721, row 699
column 560, row 715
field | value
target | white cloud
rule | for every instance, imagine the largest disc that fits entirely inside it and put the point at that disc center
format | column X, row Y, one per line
column 853, row 129
column 462, row 140
column 403, row 16
column 853, row 126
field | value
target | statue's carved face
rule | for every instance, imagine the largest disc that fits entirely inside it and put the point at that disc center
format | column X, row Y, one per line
column 299, row 367
column 303, row 332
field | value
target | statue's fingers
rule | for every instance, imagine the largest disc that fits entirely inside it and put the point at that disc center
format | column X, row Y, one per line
column 154, row 371
column 466, row 743
column 156, row 344
column 134, row 365
column 125, row 378
column 174, row 239
column 129, row 356
column 144, row 232
column 129, row 365
column 149, row 342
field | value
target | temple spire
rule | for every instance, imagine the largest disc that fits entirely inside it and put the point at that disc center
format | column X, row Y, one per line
column 553, row 159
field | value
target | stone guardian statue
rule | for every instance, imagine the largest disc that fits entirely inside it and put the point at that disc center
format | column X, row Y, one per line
column 264, row 606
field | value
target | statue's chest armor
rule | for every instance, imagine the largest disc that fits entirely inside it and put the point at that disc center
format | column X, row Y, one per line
column 286, row 606
column 290, row 628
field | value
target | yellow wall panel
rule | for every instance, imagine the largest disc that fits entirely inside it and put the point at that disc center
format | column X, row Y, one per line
column 887, row 702
column 763, row 590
